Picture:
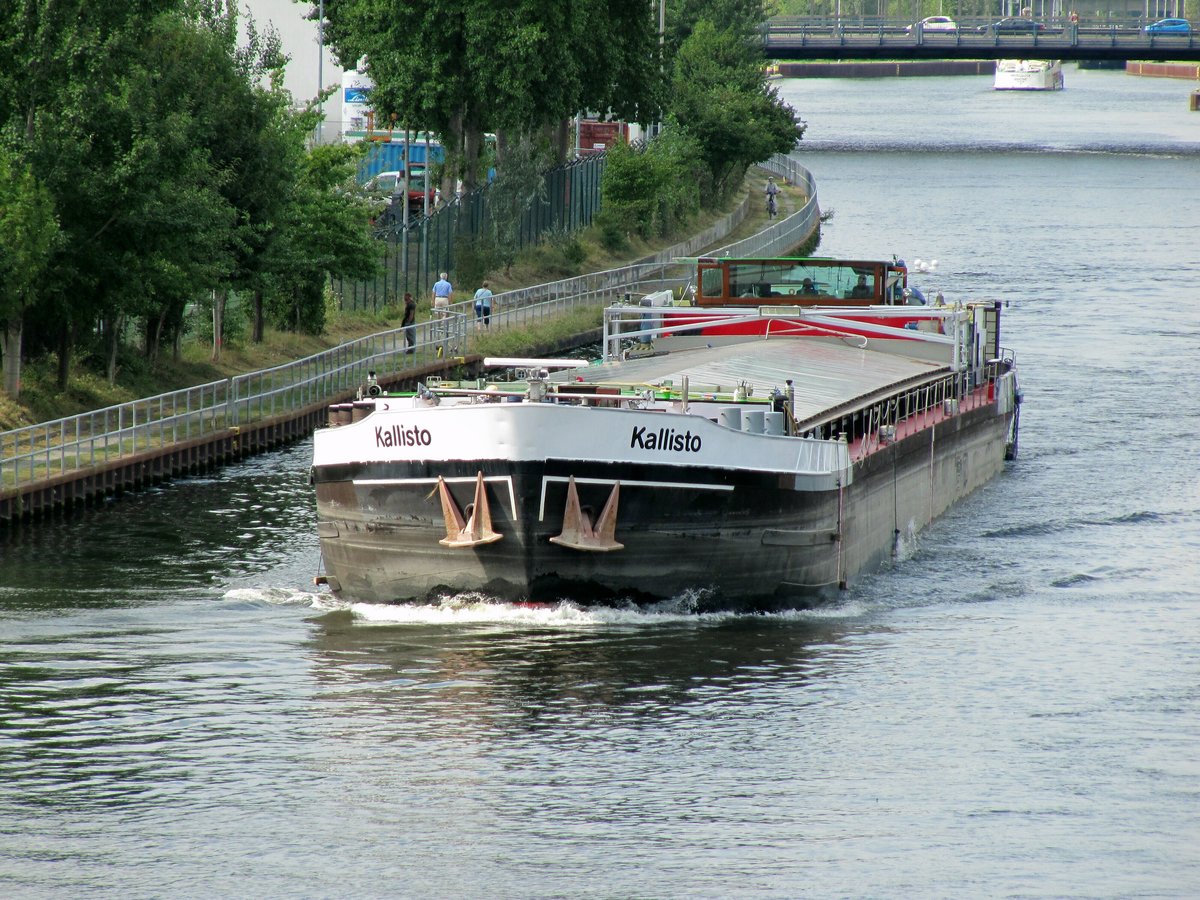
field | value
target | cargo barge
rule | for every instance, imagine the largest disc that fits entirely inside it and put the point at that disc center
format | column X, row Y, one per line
column 754, row 443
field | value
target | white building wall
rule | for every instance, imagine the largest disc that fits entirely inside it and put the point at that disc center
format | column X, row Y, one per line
column 308, row 69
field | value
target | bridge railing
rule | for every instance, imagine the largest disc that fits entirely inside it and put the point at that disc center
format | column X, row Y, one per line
column 813, row 33
column 1103, row 22
column 1056, row 39
column 47, row 450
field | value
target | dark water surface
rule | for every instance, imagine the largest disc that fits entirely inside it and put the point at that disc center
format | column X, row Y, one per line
column 1013, row 710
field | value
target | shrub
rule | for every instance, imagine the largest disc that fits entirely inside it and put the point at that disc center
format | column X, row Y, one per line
column 565, row 241
column 474, row 259
column 613, row 237
column 653, row 192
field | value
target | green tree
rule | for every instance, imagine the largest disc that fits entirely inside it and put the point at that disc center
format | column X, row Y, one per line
column 676, row 155
column 172, row 159
column 518, row 186
column 720, row 96
column 326, row 235
column 464, row 67
column 293, row 220
column 59, row 63
column 28, row 231
column 169, row 218
column 253, row 141
column 744, row 18
column 651, row 192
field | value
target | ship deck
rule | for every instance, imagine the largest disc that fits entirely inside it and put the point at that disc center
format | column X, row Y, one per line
column 825, row 376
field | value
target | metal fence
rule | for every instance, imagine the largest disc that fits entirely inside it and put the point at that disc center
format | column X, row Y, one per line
column 37, row 452
column 415, row 254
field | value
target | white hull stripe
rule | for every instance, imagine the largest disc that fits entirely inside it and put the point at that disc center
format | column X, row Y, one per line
column 506, row 480
column 512, row 500
column 687, row 485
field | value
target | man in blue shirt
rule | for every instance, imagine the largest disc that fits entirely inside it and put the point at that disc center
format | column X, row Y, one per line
column 443, row 292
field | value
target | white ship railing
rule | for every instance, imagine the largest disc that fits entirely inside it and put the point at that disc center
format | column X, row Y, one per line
column 634, row 323
column 959, row 386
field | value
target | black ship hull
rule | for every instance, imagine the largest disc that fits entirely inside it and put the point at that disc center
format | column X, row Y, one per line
column 732, row 538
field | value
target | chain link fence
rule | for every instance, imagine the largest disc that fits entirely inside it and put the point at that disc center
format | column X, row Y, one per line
column 568, row 199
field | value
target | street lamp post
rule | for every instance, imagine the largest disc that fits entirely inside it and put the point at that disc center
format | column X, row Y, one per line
column 662, row 48
column 320, row 70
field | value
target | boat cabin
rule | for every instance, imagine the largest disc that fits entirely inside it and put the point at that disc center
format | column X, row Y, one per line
column 811, row 281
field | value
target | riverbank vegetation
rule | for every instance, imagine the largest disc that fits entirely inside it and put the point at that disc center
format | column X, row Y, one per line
column 165, row 219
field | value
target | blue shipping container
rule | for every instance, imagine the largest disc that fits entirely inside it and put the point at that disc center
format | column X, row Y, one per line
column 389, row 157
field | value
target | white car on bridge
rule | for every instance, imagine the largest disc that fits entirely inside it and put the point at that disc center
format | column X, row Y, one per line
column 932, row 24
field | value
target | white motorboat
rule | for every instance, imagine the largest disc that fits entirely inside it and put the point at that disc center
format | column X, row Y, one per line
column 1028, row 75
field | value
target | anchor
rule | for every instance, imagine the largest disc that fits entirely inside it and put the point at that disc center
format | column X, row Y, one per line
column 578, row 531
column 474, row 531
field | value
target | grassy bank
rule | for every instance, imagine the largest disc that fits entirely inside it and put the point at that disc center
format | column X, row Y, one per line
column 41, row 400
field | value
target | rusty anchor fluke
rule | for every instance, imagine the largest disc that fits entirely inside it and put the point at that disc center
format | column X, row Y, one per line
column 470, row 532
column 579, row 533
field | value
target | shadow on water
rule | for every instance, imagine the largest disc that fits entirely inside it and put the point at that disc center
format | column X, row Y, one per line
column 186, row 535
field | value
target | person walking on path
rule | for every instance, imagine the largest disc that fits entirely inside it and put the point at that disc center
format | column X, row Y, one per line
column 409, row 322
column 483, row 306
column 443, row 293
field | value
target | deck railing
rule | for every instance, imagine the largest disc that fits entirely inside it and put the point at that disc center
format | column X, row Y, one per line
column 37, row 452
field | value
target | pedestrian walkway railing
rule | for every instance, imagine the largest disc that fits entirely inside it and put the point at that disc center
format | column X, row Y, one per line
column 38, row 452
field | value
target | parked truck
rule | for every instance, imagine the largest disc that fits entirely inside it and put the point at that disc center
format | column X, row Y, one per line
column 388, row 190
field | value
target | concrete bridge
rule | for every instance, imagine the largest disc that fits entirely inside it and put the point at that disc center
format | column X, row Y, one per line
column 823, row 37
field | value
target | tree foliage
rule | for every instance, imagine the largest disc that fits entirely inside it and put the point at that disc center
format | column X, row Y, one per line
column 518, row 186
column 325, row 238
column 652, row 192
column 174, row 163
column 60, row 62
column 720, row 96
column 464, row 67
column 742, row 18
column 722, row 117
column 28, row 231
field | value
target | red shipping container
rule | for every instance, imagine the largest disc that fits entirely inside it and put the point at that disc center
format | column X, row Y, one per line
column 595, row 137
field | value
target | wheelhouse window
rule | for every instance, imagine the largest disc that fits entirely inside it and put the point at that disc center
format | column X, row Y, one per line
column 822, row 281
column 835, row 282
column 712, row 282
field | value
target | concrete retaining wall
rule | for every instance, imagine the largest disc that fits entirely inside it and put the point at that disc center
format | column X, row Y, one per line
column 128, row 473
column 891, row 69
column 1188, row 71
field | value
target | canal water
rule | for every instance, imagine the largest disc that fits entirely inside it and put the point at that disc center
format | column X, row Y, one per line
column 1011, row 710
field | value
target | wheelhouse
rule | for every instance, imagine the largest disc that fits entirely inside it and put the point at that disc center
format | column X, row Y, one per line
column 800, row 282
